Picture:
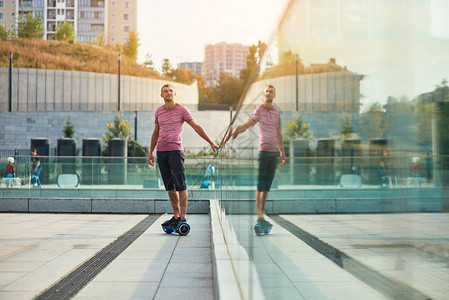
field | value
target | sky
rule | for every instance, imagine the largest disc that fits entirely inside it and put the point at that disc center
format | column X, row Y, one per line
column 180, row 29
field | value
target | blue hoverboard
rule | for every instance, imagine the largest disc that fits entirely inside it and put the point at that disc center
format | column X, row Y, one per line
column 182, row 229
column 259, row 229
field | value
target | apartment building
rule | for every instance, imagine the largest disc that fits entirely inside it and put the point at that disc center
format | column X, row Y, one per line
column 195, row 67
column 93, row 20
column 223, row 57
column 8, row 14
column 58, row 11
column 121, row 19
column 106, row 21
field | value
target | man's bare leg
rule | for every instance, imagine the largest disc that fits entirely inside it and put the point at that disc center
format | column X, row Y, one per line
column 174, row 200
column 261, row 199
column 184, row 198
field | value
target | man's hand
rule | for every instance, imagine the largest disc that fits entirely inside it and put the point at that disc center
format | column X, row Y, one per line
column 283, row 159
column 214, row 146
column 227, row 137
column 151, row 159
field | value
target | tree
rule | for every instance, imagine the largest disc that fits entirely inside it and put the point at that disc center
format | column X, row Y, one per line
column 297, row 129
column 130, row 47
column 149, row 61
column 346, row 129
column 286, row 66
column 374, row 122
column 30, row 27
column 137, row 150
column 4, row 33
column 166, row 67
column 253, row 61
column 229, row 89
column 400, row 105
column 69, row 129
column 118, row 128
column 65, row 32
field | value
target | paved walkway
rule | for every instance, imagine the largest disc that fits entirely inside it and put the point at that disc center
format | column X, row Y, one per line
column 36, row 250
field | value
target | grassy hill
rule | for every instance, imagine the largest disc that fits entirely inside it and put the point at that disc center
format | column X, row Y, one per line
column 56, row 55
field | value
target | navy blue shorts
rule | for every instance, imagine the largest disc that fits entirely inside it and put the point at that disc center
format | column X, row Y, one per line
column 268, row 162
column 171, row 166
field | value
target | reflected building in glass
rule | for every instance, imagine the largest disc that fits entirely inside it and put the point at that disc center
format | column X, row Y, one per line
column 394, row 43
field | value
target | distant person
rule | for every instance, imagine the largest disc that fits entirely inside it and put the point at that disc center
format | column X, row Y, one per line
column 209, row 174
column 384, row 170
column 10, row 172
column 35, row 168
column 429, row 166
column 271, row 148
column 416, row 170
column 167, row 136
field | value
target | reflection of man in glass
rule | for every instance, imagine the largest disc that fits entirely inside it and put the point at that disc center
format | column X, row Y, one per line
column 271, row 147
column 167, row 136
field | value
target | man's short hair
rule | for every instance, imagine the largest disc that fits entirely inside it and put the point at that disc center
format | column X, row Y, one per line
column 166, row 85
column 271, row 86
column 33, row 150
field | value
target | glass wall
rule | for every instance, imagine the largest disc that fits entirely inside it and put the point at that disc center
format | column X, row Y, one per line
column 362, row 91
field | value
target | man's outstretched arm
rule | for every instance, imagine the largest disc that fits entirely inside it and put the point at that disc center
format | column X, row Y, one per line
column 202, row 133
column 242, row 127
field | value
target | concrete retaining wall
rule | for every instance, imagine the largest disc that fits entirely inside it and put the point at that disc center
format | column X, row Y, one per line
column 331, row 92
column 55, row 90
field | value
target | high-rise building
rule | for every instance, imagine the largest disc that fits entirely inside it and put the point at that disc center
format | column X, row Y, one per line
column 93, row 20
column 195, row 67
column 223, row 57
column 57, row 11
column 106, row 21
column 122, row 18
column 8, row 14
column 91, row 17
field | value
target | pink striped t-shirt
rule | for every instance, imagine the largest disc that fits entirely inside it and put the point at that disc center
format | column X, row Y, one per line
column 171, row 124
column 268, row 120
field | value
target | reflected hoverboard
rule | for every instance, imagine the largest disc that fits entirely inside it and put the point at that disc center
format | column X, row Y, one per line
column 182, row 229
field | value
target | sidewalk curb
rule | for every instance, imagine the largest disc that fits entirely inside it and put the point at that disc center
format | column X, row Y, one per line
column 232, row 281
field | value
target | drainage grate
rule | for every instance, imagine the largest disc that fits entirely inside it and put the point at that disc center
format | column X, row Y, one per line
column 72, row 283
column 389, row 287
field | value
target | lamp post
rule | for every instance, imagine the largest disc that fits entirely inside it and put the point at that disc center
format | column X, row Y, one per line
column 296, row 80
column 135, row 125
column 119, row 63
column 10, row 83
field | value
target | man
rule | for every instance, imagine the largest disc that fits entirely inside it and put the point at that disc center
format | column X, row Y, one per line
column 271, row 147
column 167, row 136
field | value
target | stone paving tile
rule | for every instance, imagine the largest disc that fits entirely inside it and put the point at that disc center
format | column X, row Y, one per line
column 184, row 293
column 164, row 264
column 52, row 245
column 138, row 290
